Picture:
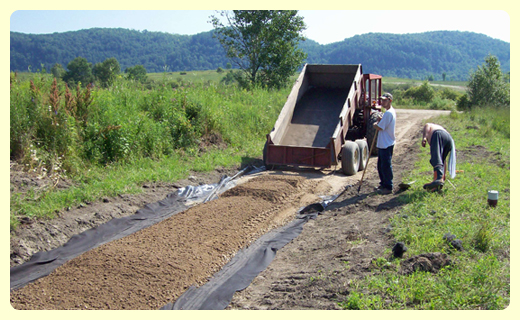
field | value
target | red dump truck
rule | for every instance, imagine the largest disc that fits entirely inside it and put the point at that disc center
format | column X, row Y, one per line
column 327, row 119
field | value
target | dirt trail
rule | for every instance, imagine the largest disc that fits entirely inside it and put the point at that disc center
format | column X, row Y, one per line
column 156, row 265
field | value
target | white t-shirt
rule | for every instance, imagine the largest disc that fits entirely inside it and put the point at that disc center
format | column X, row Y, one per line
column 386, row 137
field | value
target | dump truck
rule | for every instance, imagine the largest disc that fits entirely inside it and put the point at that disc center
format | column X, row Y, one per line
column 327, row 120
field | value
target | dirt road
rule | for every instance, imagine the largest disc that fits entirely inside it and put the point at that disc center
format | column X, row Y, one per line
column 154, row 266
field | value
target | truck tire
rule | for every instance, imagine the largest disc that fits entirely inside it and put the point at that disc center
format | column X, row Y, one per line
column 371, row 131
column 350, row 158
column 363, row 153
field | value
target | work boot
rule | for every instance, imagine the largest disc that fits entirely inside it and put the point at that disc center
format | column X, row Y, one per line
column 438, row 180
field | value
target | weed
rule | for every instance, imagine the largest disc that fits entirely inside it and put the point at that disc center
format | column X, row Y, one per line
column 483, row 237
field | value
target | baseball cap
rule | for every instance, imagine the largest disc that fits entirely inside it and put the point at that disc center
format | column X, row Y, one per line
column 387, row 96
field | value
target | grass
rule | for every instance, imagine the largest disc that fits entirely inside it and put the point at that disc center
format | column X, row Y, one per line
column 144, row 146
column 189, row 76
column 479, row 277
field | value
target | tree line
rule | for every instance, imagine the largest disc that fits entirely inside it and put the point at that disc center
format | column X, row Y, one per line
column 81, row 72
column 449, row 55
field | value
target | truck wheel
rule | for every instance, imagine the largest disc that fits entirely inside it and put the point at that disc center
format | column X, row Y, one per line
column 371, row 131
column 350, row 158
column 363, row 153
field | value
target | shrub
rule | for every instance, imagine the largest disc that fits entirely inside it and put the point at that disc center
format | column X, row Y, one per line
column 463, row 102
column 439, row 103
column 488, row 86
column 448, row 93
column 423, row 93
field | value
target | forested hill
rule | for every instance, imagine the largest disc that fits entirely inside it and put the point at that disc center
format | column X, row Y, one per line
column 416, row 56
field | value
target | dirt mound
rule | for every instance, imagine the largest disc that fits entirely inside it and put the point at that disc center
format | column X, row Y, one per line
column 154, row 266
column 428, row 262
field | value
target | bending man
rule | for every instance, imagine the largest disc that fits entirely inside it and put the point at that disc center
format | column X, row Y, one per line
column 441, row 143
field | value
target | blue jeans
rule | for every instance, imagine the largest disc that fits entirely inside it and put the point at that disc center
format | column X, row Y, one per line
column 384, row 167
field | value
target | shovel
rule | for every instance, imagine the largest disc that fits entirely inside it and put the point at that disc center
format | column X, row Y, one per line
column 406, row 185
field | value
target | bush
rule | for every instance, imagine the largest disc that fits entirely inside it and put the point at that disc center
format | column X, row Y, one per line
column 423, row 93
column 463, row 102
column 439, row 103
column 448, row 93
column 488, row 86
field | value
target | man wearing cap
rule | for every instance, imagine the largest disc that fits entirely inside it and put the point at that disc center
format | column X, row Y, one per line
column 441, row 143
column 385, row 145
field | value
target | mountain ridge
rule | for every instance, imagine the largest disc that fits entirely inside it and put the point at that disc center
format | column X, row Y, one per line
column 449, row 54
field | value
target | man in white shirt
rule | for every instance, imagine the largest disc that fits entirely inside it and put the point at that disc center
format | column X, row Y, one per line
column 385, row 145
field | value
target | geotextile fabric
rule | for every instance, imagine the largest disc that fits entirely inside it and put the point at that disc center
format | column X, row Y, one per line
column 217, row 293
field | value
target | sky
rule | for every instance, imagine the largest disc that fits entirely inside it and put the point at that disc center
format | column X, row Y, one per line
column 323, row 26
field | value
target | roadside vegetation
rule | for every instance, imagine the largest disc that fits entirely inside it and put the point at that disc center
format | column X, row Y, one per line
column 109, row 141
column 479, row 274
column 458, row 221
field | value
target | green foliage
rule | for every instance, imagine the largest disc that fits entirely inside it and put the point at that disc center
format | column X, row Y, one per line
column 424, row 93
column 58, row 71
column 106, row 71
column 488, row 86
column 79, row 70
column 137, row 73
column 479, row 277
column 71, row 131
column 439, row 103
column 228, row 78
column 263, row 43
column 412, row 56
column 483, row 237
column 463, row 102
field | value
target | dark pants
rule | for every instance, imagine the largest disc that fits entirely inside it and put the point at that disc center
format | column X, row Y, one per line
column 440, row 146
column 384, row 167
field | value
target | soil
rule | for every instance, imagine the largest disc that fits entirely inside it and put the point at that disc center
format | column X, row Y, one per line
column 154, row 266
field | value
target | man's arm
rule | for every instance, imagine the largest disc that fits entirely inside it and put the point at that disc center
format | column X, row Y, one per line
column 424, row 134
column 378, row 128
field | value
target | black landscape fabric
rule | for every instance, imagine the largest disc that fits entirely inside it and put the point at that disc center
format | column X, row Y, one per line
column 43, row 263
column 217, row 293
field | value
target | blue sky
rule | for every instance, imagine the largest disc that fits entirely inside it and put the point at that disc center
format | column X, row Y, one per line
column 323, row 26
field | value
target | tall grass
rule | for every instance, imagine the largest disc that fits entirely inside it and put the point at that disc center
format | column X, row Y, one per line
column 107, row 139
column 479, row 276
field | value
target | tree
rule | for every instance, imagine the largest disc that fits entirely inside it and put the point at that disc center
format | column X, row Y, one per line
column 79, row 70
column 137, row 72
column 58, row 71
column 263, row 44
column 107, row 71
column 488, row 86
